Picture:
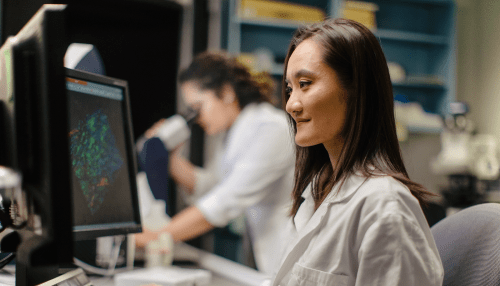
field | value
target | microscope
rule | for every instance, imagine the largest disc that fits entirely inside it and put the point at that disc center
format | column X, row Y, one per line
column 172, row 131
column 467, row 159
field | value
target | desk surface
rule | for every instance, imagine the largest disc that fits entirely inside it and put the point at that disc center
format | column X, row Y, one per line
column 224, row 272
column 215, row 281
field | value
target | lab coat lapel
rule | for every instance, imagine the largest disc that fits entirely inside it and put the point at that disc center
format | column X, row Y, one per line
column 301, row 243
column 317, row 221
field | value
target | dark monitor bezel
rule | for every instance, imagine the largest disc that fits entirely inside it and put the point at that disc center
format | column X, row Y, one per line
column 104, row 230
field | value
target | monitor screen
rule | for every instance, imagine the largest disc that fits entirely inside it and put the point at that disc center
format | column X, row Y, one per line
column 101, row 153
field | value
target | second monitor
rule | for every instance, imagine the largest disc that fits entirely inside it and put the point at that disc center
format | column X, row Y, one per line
column 103, row 164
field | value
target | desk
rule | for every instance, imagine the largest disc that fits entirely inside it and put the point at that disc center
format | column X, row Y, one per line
column 224, row 271
column 216, row 281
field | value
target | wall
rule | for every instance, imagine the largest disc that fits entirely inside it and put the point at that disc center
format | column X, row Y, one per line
column 478, row 62
column 418, row 151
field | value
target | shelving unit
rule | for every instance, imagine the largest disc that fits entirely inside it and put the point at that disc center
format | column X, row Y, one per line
column 387, row 34
column 246, row 35
column 419, row 35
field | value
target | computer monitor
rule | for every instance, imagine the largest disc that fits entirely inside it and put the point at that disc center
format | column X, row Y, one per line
column 69, row 134
column 103, row 164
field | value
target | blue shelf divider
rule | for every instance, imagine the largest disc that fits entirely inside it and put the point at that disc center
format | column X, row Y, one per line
column 411, row 37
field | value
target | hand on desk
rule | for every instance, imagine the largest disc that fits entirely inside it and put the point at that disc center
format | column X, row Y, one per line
column 158, row 247
column 142, row 239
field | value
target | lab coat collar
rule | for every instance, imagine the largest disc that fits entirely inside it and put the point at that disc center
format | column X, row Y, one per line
column 245, row 116
column 299, row 245
column 350, row 186
column 352, row 183
column 245, row 113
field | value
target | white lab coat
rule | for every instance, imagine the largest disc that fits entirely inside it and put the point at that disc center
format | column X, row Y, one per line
column 372, row 233
column 254, row 178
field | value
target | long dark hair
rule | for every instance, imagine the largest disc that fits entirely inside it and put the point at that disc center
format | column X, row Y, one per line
column 370, row 142
column 213, row 70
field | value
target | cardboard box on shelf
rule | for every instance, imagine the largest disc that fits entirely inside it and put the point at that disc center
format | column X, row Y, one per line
column 362, row 12
column 277, row 10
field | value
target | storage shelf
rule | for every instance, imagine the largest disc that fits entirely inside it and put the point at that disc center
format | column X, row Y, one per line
column 419, row 85
column 411, row 37
column 426, row 130
column 268, row 22
column 417, row 34
column 426, row 2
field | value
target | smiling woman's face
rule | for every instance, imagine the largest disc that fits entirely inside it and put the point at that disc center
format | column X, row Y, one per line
column 317, row 101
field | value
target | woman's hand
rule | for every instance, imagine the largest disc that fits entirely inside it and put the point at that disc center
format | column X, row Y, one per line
column 142, row 239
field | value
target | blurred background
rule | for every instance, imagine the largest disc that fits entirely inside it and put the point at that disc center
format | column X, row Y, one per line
column 442, row 55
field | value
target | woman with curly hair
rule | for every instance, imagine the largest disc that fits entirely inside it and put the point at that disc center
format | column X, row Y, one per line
column 255, row 170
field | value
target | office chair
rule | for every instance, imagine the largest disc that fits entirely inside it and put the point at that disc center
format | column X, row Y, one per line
column 469, row 246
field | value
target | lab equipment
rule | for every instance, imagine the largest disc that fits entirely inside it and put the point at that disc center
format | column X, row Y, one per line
column 35, row 143
column 173, row 131
column 13, row 204
column 153, row 153
column 465, row 153
column 68, row 133
column 465, row 158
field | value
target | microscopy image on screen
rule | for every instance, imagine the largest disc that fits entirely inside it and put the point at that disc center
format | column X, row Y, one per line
column 95, row 157
column 100, row 166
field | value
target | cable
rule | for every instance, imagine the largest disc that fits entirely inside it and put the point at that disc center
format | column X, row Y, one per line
column 112, row 270
column 96, row 270
column 115, row 252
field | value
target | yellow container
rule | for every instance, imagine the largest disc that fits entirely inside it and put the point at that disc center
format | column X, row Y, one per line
column 258, row 9
column 362, row 12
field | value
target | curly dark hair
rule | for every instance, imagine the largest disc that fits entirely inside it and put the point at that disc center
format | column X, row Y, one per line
column 213, row 70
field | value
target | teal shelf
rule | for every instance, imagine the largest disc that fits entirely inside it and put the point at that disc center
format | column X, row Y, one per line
column 411, row 37
column 427, row 2
column 269, row 23
column 424, row 130
column 419, row 85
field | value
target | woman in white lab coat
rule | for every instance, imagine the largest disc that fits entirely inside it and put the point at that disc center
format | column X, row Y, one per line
column 255, row 171
column 356, row 217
